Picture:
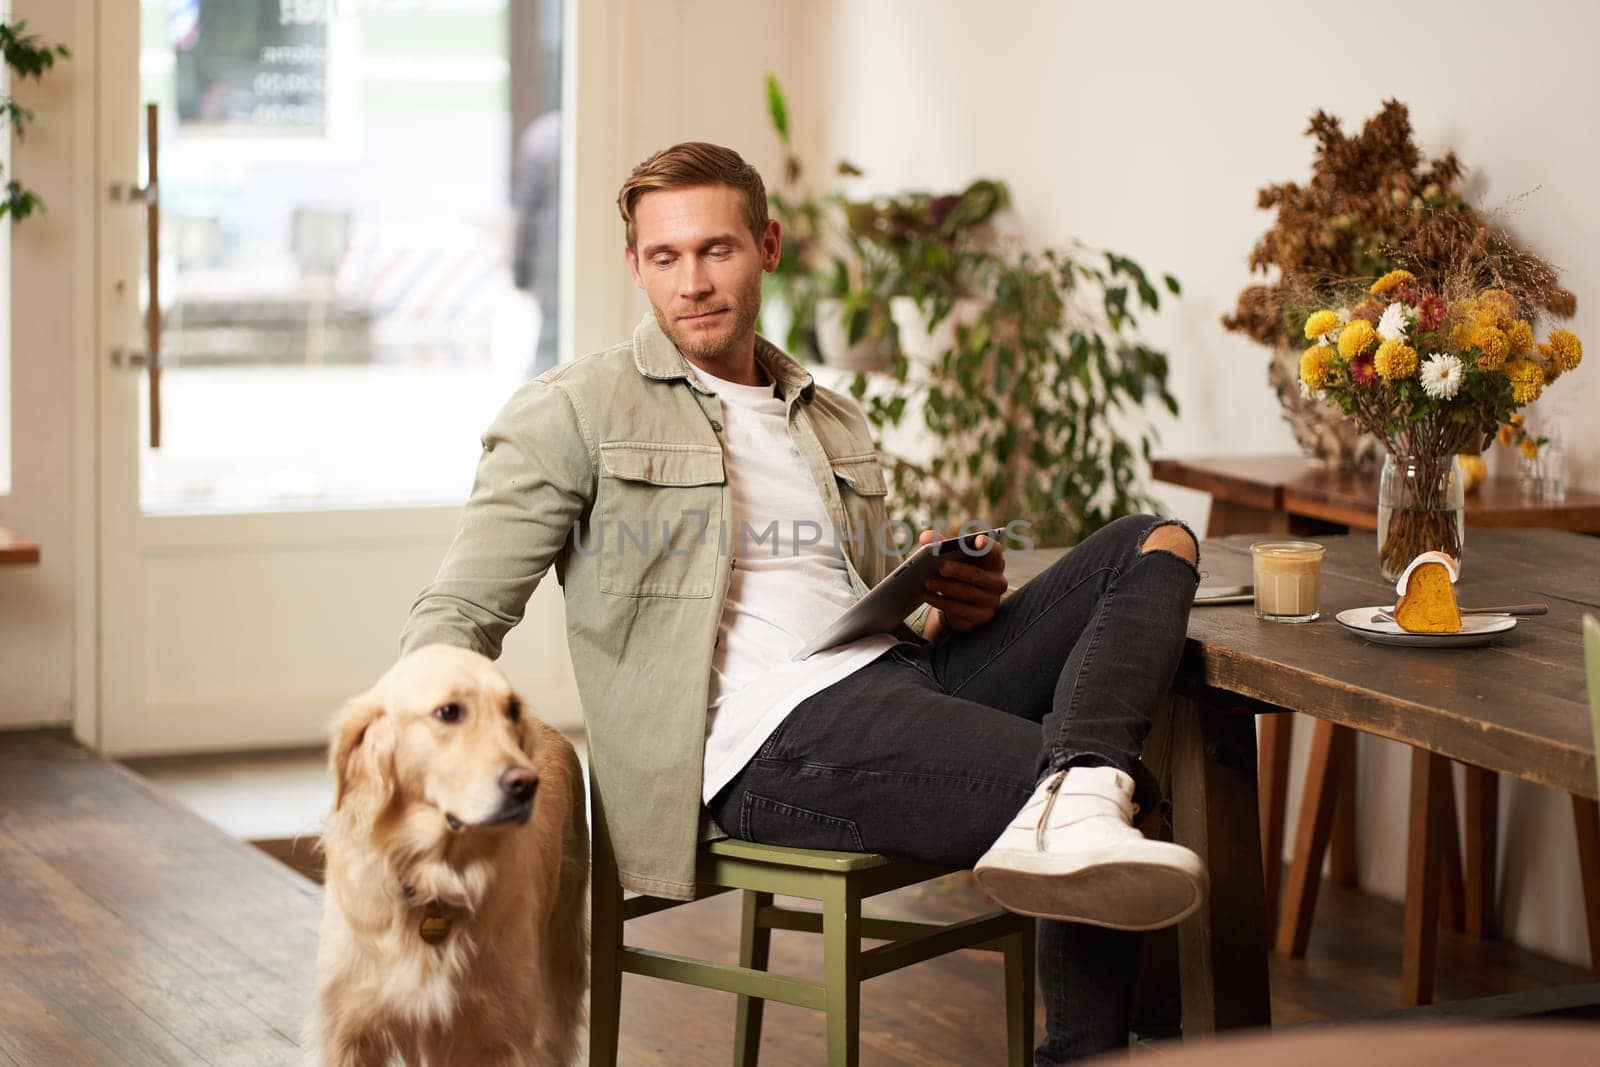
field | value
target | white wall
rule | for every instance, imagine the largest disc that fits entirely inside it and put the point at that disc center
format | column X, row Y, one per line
column 696, row 71
column 50, row 329
column 1148, row 128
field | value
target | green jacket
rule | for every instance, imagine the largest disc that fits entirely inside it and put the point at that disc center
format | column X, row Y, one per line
column 590, row 467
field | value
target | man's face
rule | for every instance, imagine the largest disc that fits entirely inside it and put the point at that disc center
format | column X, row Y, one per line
column 696, row 260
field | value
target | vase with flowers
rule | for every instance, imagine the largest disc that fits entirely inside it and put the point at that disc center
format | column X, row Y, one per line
column 1431, row 373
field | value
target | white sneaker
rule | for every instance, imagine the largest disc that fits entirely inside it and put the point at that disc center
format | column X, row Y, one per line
column 1072, row 853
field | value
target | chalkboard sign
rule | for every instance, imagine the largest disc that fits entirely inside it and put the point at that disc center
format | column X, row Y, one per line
column 255, row 66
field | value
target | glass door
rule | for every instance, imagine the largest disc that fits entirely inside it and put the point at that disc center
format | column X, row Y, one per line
column 308, row 322
column 337, row 242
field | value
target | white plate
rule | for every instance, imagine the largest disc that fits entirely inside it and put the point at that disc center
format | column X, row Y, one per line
column 1475, row 629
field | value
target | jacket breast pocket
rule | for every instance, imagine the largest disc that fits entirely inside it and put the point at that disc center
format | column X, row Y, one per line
column 862, row 493
column 656, row 518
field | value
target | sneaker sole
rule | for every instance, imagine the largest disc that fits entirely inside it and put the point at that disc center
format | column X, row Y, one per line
column 1101, row 887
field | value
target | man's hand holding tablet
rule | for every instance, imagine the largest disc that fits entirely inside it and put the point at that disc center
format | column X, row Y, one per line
column 965, row 590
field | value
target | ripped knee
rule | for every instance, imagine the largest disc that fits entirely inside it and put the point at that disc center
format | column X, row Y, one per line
column 1174, row 537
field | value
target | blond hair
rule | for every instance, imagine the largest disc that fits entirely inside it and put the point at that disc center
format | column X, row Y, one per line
column 696, row 163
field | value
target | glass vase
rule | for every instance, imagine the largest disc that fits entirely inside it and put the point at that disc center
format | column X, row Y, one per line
column 1421, row 508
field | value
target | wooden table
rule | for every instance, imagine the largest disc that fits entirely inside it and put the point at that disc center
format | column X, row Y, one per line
column 1289, row 494
column 14, row 548
column 132, row 932
column 1517, row 706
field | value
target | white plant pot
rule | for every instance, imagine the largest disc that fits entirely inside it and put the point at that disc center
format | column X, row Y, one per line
column 833, row 341
column 921, row 346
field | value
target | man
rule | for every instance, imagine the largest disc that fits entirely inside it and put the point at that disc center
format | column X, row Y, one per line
column 680, row 483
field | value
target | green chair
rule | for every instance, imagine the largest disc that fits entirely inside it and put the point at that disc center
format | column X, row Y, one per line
column 838, row 881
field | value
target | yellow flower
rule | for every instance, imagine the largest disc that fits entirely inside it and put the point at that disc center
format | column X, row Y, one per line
column 1464, row 309
column 1493, row 346
column 1461, row 335
column 1527, row 380
column 1356, row 339
column 1321, row 322
column 1395, row 360
column 1502, row 303
column 1520, row 335
column 1392, row 279
column 1530, row 447
column 1317, row 366
column 1567, row 348
column 1506, row 430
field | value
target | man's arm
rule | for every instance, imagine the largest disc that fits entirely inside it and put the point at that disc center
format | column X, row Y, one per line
column 534, row 479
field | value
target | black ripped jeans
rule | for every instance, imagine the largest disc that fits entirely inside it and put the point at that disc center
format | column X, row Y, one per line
column 929, row 751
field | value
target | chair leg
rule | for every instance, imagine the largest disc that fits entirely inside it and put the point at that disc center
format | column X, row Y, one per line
column 1483, row 821
column 1331, row 747
column 754, row 941
column 1586, row 820
column 1019, row 955
column 605, row 944
column 841, row 968
column 1275, row 732
column 1424, row 865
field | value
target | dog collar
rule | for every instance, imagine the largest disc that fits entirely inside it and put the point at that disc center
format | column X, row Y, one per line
column 436, row 920
column 435, row 924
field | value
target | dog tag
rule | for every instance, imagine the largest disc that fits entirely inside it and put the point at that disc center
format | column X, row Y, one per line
column 435, row 926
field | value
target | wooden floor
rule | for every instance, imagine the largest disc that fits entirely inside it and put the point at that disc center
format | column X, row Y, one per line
column 950, row 1011
column 133, row 932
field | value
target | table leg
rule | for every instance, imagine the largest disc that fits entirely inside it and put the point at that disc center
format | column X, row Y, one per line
column 1342, row 851
column 1332, row 747
column 1483, row 823
column 1424, row 864
column 1275, row 734
column 1223, row 946
column 1228, row 517
column 1586, row 820
column 1454, row 912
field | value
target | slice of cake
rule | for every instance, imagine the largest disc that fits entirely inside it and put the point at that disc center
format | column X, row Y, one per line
column 1427, row 602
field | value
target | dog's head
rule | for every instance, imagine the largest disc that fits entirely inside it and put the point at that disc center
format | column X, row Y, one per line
column 441, row 728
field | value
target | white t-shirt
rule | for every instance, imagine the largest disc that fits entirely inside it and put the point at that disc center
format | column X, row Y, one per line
column 782, row 589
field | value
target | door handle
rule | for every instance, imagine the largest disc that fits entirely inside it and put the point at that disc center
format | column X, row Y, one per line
column 126, row 192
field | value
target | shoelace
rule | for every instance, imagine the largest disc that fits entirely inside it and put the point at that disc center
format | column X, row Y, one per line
column 1052, row 791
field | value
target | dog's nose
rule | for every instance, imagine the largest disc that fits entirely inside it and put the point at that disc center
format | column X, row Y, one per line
column 519, row 783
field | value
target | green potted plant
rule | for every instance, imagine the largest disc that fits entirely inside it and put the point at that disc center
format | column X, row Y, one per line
column 926, row 249
column 1023, row 370
column 805, row 274
column 27, row 56
column 1033, row 404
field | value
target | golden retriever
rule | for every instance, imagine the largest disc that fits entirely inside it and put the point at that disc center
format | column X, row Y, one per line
column 454, row 928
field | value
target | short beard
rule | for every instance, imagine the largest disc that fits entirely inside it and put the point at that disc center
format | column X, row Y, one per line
column 746, row 309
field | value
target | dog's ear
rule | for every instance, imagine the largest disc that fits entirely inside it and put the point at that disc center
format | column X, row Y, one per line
column 527, row 731
column 356, row 743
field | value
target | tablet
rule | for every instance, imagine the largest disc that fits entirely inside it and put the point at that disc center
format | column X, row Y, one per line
column 887, row 604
